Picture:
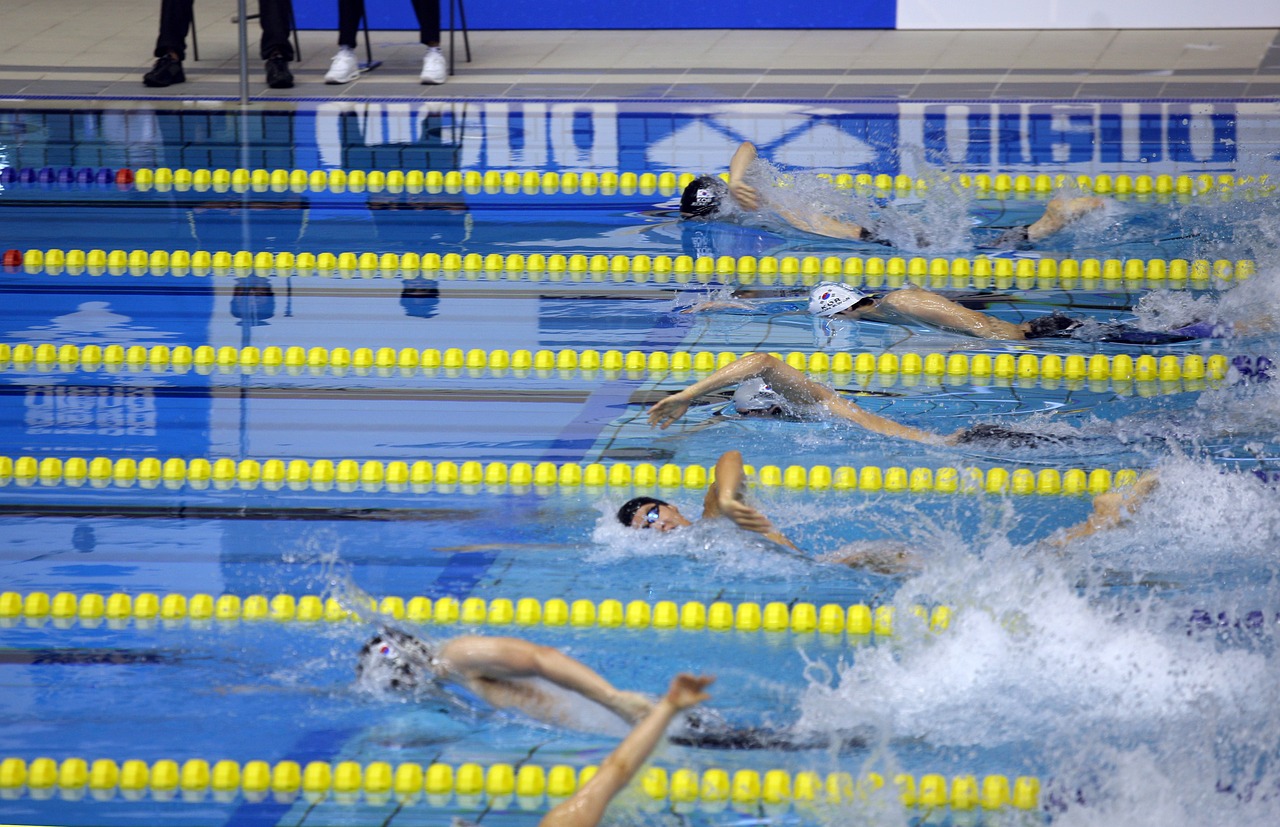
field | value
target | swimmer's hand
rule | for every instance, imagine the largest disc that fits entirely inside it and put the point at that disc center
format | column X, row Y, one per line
column 745, row 516
column 666, row 411
column 745, row 195
column 688, row 690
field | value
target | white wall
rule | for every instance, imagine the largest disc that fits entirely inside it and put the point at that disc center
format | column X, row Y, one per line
column 1087, row 14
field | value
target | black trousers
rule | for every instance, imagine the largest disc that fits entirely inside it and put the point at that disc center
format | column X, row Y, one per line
column 276, row 17
column 350, row 12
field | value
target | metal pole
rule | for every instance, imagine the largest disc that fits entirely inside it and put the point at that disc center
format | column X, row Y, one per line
column 244, row 54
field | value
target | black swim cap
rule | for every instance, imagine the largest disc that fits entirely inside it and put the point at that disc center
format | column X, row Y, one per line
column 630, row 507
column 702, row 197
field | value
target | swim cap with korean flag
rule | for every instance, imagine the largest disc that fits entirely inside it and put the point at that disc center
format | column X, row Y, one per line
column 702, row 197
column 829, row 298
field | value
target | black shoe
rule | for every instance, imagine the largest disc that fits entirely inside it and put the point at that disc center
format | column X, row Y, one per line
column 166, row 72
column 278, row 74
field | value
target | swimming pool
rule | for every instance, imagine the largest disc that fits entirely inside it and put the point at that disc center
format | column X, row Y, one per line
column 238, row 384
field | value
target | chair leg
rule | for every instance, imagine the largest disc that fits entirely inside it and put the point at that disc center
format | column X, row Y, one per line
column 293, row 26
column 370, row 63
column 466, row 40
column 460, row 7
column 195, row 44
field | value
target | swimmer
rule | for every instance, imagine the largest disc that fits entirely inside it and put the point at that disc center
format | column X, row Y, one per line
column 915, row 305
column 724, row 498
column 587, row 804
column 888, row 557
column 498, row 670
column 767, row 386
column 709, row 197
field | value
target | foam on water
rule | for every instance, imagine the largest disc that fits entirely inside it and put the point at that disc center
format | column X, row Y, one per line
column 939, row 223
column 1137, row 721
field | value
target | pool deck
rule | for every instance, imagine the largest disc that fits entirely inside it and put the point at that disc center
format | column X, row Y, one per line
column 86, row 54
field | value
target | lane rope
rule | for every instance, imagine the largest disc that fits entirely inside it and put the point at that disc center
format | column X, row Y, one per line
column 473, row 476
column 1097, row 367
column 532, row 786
column 872, row 271
column 859, row 621
column 532, row 182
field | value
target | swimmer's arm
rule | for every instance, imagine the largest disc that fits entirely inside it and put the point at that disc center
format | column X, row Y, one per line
column 824, row 225
column 1060, row 212
column 507, row 658
column 842, row 408
column 930, row 308
column 724, row 498
column 586, row 806
column 786, row 380
column 743, row 193
column 1110, row 509
column 883, row 557
column 721, row 304
column 801, row 390
column 749, row 198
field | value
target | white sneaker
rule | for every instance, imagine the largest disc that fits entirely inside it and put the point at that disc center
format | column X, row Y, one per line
column 344, row 68
column 434, row 69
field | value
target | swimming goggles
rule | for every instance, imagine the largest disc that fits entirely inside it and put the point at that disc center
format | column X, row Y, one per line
column 651, row 516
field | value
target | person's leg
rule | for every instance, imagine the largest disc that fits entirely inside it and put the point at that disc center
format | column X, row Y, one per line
column 276, row 17
column 171, row 44
column 434, row 68
column 349, row 14
column 428, row 12
column 175, row 22
column 345, row 67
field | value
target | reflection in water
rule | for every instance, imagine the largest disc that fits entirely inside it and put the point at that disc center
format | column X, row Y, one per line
column 420, row 297
column 253, row 301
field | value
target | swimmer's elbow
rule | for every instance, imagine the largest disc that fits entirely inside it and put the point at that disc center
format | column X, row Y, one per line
column 616, row 766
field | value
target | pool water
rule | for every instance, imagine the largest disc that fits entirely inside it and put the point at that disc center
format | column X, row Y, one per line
column 255, row 450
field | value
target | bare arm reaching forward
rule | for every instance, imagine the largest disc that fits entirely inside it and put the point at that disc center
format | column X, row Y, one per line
column 477, row 659
column 588, row 804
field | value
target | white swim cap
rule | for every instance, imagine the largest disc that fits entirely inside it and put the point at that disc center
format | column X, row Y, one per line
column 829, row 298
column 756, row 395
column 393, row 660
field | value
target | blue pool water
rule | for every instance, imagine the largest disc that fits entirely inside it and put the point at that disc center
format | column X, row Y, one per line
column 1133, row 674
